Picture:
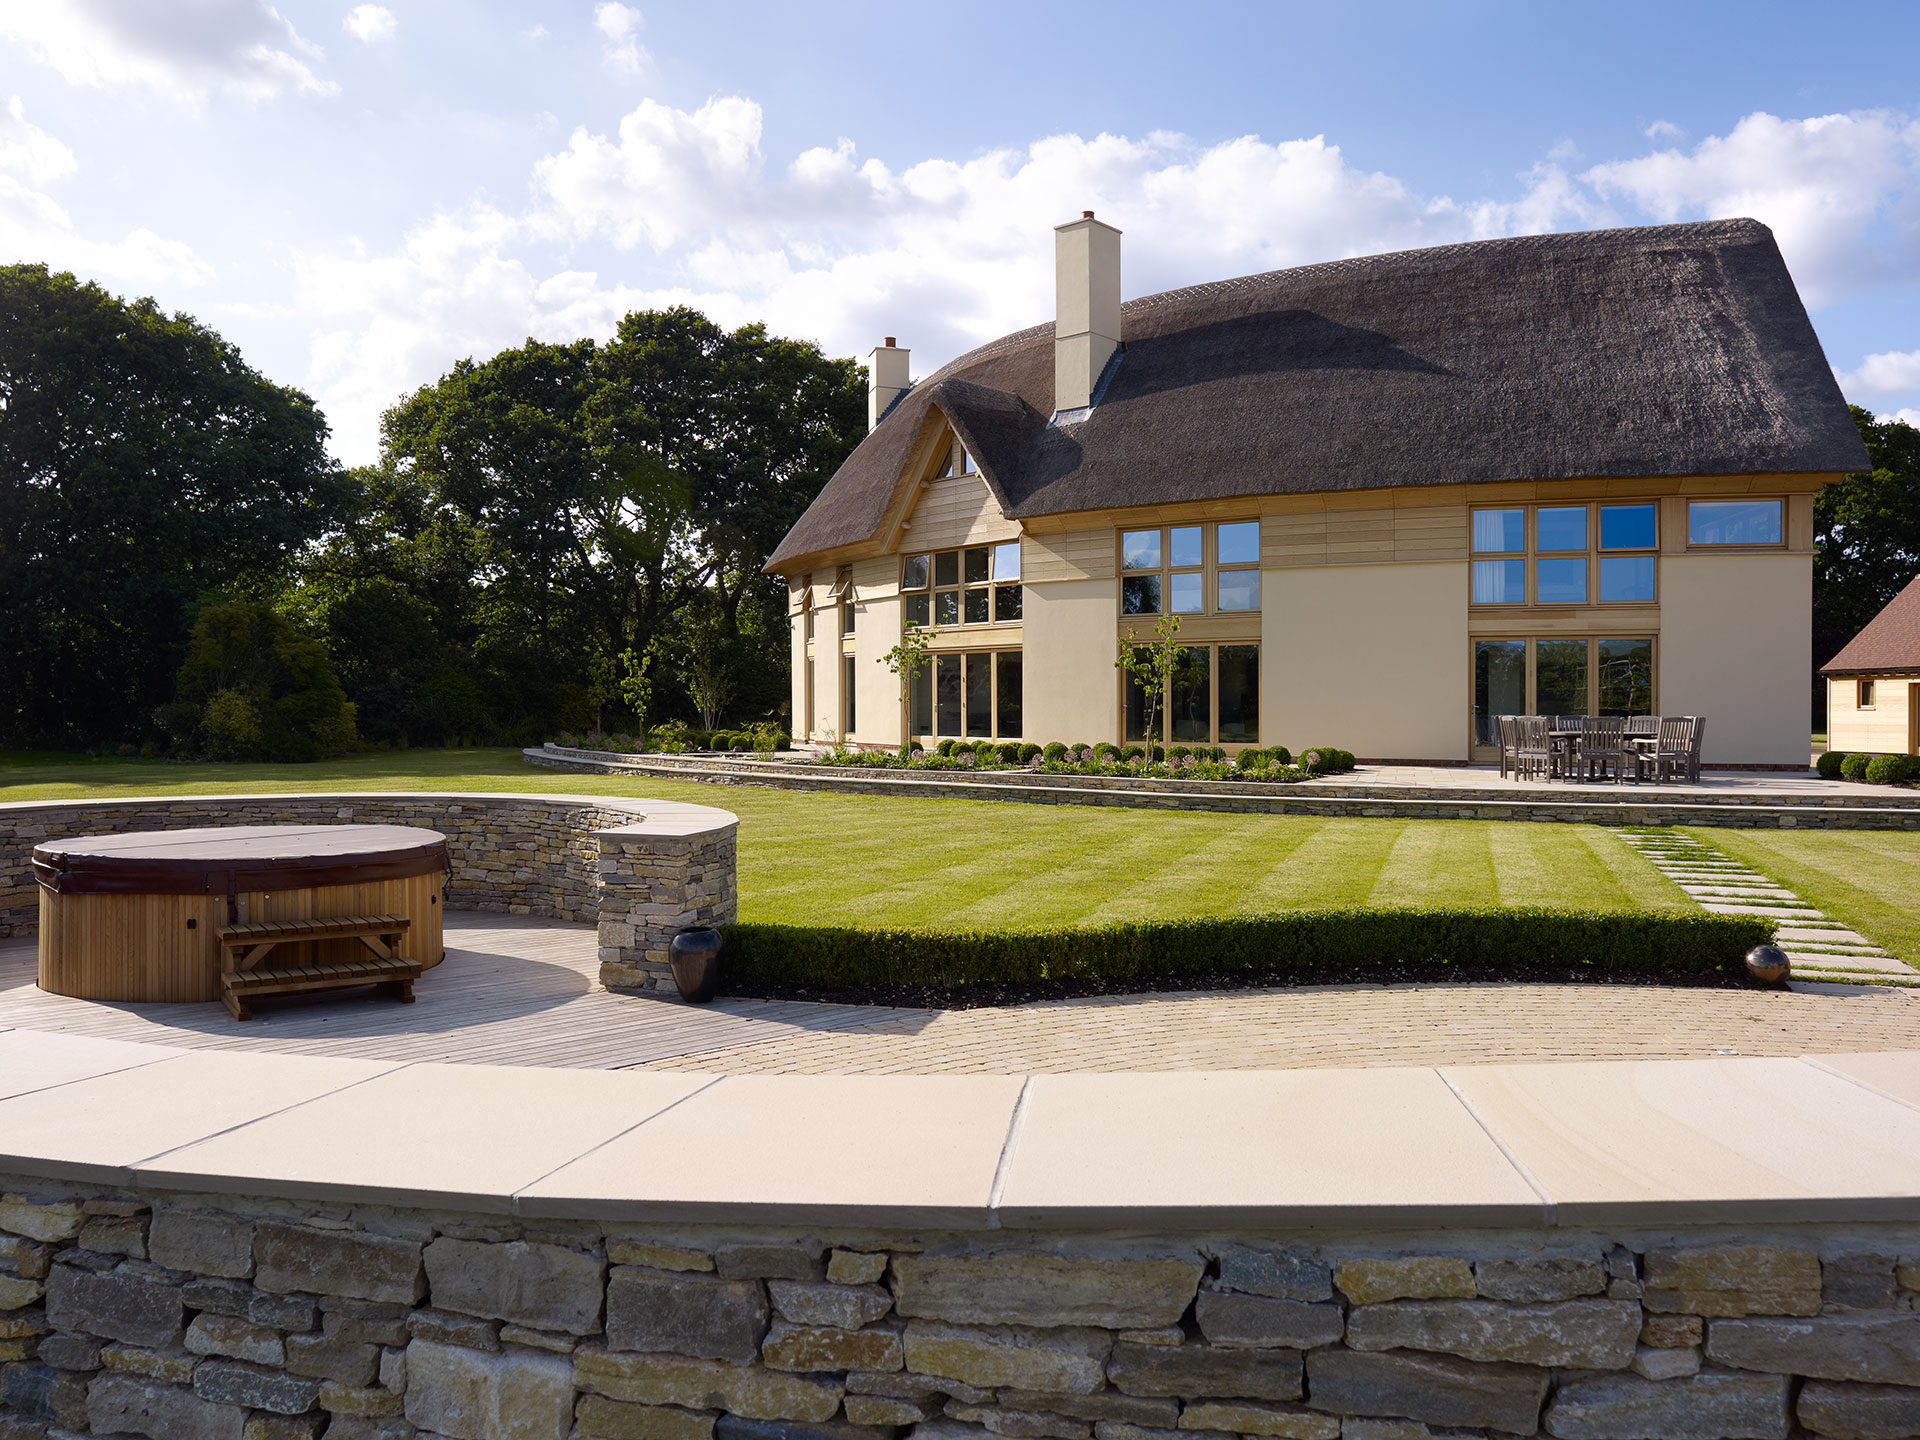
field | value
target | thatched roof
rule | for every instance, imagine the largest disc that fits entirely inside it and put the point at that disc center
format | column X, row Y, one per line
column 1665, row 350
column 1669, row 350
column 1891, row 640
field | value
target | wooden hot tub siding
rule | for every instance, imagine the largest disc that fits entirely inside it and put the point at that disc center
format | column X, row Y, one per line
column 139, row 948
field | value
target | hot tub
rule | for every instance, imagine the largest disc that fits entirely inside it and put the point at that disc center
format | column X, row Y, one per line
column 136, row 917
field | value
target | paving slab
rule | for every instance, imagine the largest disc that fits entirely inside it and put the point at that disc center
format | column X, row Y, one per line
column 800, row 1149
column 1257, row 1148
column 1820, row 935
column 100, row 1128
column 465, row 1136
column 1893, row 1073
column 1829, row 960
column 38, row 1060
column 1702, row 1141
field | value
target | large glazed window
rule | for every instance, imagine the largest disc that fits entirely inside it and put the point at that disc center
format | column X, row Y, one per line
column 1206, row 569
column 967, row 695
column 1565, row 554
column 1626, row 677
column 1214, row 699
column 1734, row 522
column 1499, row 685
column 979, row 585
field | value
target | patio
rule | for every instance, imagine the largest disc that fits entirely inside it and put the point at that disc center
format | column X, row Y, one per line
column 521, row 992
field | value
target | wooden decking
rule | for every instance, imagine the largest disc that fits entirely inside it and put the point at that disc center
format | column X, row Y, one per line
column 511, row 992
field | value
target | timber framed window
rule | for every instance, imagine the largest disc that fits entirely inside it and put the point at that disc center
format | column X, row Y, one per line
column 979, row 585
column 967, row 695
column 1206, row 569
column 1213, row 698
column 1577, row 554
column 1865, row 696
column 1559, row 675
column 1749, row 523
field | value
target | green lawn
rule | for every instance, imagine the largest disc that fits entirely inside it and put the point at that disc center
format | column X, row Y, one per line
column 1869, row 879
column 808, row 857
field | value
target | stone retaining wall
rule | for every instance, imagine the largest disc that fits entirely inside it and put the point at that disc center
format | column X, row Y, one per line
column 643, row 870
column 1593, row 807
column 209, row 1318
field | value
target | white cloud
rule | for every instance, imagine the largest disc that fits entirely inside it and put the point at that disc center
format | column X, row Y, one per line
column 27, row 148
column 1662, row 130
column 1905, row 415
column 184, row 50
column 368, row 23
column 621, row 25
column 1823, row 184
column 1888, row 372
column 842, row 249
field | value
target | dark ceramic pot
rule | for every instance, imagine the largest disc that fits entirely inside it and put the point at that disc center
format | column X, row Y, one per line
column 1768, row 964
column 695, row 957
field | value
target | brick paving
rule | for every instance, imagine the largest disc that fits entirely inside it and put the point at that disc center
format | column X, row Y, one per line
column 1342, row 1026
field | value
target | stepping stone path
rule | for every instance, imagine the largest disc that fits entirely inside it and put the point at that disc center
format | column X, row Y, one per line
column 1821, row 949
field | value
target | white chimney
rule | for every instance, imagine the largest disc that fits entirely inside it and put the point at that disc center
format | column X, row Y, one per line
column 886, row 378
column 1086, row 327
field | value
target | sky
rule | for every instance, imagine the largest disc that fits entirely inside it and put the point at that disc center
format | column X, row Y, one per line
column 359, row 195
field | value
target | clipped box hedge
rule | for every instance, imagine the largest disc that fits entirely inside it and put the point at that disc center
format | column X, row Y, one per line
column 1605, row 944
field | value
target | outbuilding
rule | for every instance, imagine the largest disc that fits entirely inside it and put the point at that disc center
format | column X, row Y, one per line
column 1388, row 500
column 1873, row 685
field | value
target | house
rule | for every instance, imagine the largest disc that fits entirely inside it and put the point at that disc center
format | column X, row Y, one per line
column 1389, row 499
column 1873, row 685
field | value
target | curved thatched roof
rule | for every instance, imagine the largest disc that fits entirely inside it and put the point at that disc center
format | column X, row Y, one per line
column 1669, row 350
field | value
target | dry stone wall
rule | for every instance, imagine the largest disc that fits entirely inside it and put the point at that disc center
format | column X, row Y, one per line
column 208, row 1318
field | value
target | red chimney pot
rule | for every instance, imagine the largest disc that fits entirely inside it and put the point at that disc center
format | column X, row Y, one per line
column 890, row 342
column 1086, row 214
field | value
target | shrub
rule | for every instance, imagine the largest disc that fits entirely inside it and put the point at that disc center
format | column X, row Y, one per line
column 764, row 737
column 1614, row 942
column 1157, row 754
column 916, row 748
column 1106, row 750
column 1854, row 767
column 982, row 751
column 1890, row 769
column 1216, row 755
column 1829, row 764
column 1280, row 755
column 946, row 748
column 1133, row 752
column 1028, row 751
column 1250, row 759
column 783, row 741
column 1008, row 751
column 1078, row 746
column 1179, row 752
column 1054, row 750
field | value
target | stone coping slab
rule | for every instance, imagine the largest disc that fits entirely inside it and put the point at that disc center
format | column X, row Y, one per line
column 1650, row 1143
column 1566, row 804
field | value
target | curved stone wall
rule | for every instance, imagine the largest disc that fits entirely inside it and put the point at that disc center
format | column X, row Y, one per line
column 642, row 869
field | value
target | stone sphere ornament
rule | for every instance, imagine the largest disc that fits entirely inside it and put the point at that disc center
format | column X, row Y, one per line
column 695, row 958
column 1768, row 964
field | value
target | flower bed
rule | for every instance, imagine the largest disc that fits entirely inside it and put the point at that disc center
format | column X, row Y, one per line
column 1181, row 762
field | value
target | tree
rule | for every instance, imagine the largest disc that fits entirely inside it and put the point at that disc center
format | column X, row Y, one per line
column 253, row 687
column 1152, row 665
column 620, row 491
column 1867, row 534
column 143, row 466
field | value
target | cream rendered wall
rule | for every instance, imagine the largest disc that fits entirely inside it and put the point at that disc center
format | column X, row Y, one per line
column 1372, row 658
column 1886, row 729
column 826, row 676
column 796, row 628
column 876, row 630
column 1070, row 690
column 1736, row 643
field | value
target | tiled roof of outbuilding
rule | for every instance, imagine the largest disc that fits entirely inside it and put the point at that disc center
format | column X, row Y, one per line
column 1891, row 640
column 1668, row 350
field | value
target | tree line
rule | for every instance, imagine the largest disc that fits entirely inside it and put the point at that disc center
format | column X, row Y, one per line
column 560, row 537
column 552, row 538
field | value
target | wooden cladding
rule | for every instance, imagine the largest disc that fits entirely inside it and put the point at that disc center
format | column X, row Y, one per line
column 953, row 512
column 1068, row 555
column 1364, row 537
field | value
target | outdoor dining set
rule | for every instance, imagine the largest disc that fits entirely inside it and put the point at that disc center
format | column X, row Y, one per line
column 1598, row 747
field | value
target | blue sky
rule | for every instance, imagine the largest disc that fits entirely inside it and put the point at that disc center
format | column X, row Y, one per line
column 359, row 195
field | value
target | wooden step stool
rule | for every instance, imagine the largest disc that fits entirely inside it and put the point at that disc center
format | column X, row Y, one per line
column 243, row 947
